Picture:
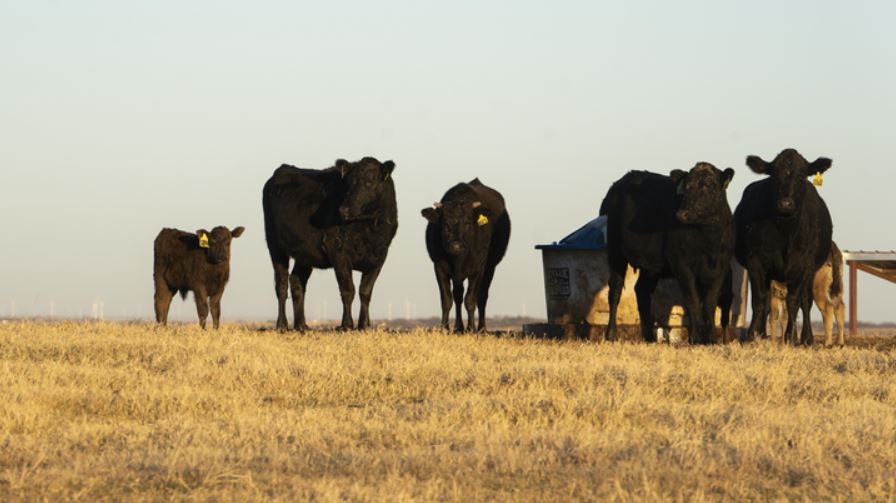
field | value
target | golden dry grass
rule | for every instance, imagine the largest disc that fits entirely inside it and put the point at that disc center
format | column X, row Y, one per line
column 131, row 412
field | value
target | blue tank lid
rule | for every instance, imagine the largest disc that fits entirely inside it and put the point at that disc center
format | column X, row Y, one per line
column 591, row 236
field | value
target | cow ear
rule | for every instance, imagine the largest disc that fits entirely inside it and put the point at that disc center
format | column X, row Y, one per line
column 758, row 165
column 388, row 166
column 819, row 165
column 342, row 165
column 677, row 176
column 431, row 214
column 727, row 175
column 237, row 231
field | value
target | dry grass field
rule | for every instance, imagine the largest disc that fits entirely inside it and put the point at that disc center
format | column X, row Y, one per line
column 106, row 411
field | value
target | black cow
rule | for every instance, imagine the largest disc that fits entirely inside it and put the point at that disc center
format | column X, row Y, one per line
column 783, row 233
column 671, row 226
column 342, row 217
column 466, row 238
column 199, row 263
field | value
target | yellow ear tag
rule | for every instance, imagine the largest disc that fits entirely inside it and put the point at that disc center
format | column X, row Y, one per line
column 203, row 241
column 482, row 220
column 817, row 180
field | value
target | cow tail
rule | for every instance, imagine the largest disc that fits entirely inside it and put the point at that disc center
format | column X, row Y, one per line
column 183, row 293
column 836, row 289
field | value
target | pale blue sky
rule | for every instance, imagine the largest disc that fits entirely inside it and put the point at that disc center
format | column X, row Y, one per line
column 119, row 118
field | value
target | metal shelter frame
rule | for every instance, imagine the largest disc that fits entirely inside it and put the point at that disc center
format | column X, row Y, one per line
column 877, row 263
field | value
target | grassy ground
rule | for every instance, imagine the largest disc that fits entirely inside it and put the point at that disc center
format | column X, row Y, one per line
column 131, row 412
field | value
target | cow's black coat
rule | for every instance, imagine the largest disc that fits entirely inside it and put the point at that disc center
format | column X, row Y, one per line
column 671, row 226
column 783, row 233
column 180, row 264
column 342, row 217
column 466, row 238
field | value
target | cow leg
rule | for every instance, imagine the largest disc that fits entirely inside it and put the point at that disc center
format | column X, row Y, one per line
column 694, row 306
column 281, row 287
column 708, row 320
column 644, row 291
column 759, row 287
column 347, row 292
column 840, row 312
column 443, row 279
column 715, row 297
column 471, row 299
column 807, row 338
column 298, row 280
column 779, row 322
column 618, row 268
column 366, row 292
column 201, row 296
column 795, row 293
column 827, row 317
column 725, row 302
column 484, row 286
column 458, row 291
column 215, row 305
column 613, row 295
column 163, row 297
column 775, row 318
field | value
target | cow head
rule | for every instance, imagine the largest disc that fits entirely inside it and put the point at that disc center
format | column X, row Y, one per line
column 779, row 290
column 459, row 221
column 788, row 173
column 366, row 180
column 702, row 191
column 217, row 242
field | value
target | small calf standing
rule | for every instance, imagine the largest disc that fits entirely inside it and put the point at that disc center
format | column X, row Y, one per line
column 827, row 291
column 466, row 237
column 777, row 315
column 184, row 262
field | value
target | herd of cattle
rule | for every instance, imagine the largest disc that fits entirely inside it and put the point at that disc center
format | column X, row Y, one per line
column 677, row 226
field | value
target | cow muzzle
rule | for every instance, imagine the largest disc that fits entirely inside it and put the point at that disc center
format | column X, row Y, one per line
column 694, row 217
column 785, row 205
column 455, row 248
